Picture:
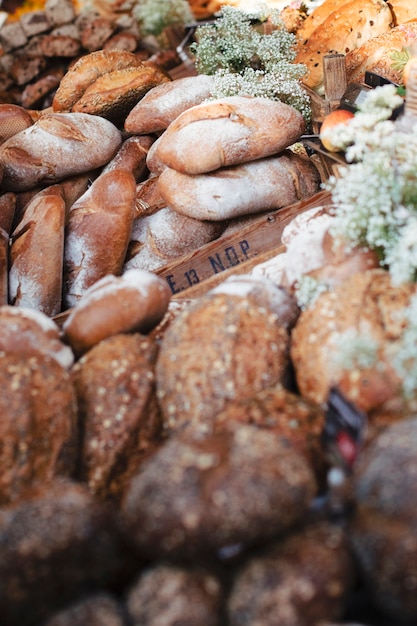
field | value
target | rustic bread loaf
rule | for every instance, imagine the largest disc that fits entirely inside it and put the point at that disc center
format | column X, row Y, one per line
column 13, row 119
column 37, row 252
column 26, row 331
column 329, row 337
column 403, row 11
column 99, row 608
column 133, row 302
column 317, row 16
column 115, row 388
column 165, row 236
column 164, row 103
column 195, row 496
column 131, row 156
column 114, row 94
column 228, row 131
column 229, row 344
column 98, row 232
column 378, row 54
column 230, row 192
column 58, row 145
column 39, row 428
column 342, row 31
column 85, row 72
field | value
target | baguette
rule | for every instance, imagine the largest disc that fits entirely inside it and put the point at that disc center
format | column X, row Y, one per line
column 228, row 131
column 57, row 146
column 36, row 253
column 245, row 189
column 131, row 156
column 165, row 102
column 98, row 232
column 134, row 302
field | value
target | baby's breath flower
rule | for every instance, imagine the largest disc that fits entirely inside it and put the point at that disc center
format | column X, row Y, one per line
column 307, row 289
column 355, row 350
column 405, row 359
column 154, row 15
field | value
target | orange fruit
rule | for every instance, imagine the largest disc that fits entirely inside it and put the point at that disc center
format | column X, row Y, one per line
column 335, row 118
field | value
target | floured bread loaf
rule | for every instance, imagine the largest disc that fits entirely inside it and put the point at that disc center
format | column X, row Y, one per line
column 58, row 145
column 249, row 188
column 342, row 31
column 379, row 54
column 163, row 104
column 228, row 131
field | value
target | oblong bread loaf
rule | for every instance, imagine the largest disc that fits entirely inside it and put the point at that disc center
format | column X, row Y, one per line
column 403, row 11
column 98, row 232
column 228, row 131
column 134, row 302
column 164, row 103
column 269, row 183
column 58, row 145
column 378, row 54
column 319, row 14
column 85, row 71
column 342, row 31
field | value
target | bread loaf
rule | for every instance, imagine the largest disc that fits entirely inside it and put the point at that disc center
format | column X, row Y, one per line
column 317, row 16
column 342, row 31
column 13, row 119
column 229, row 192
column 164, row 103
column 378, row 54
column 133, row 302
column 36, row 253
column 85, row 71
column 58, row 145
column 227, row 132
column 403, row 11
column 131, row 156
column 98, row 232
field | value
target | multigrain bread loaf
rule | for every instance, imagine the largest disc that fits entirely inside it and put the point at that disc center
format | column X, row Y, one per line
column 228, row 131
column 39, row 428
column 195, row 496
column 134, row 302
column 58, row 145
column 98, row 232
column 342, row 31
column 241, row 329
column 379, row 54
column 162, row 104
column 248, row 188
column 37, row 253
column 115, row 387
column 317, row 16
column 403, row 11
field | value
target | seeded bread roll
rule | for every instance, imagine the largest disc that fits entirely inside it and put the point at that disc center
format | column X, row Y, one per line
column 170, row 595
column 317, row 16
column 37, row 252
column 228, row 131
column 343, row 30
column 39, row 430
column 403, row 10
column 133, row 302
column 162, row 104
column 195, row 496
column 231, row 343
column 115, row 388
column 249, row 188
column 98, row 232
column 58, row 145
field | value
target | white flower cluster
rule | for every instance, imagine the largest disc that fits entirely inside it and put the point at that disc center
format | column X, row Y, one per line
column 154, row 15
column 307, row 289
column 376, row 193
column 246, row 61
column 354, row 350
column 405, row 361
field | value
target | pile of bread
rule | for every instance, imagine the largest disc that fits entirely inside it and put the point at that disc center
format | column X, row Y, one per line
column 163, row 460
column 373, row 34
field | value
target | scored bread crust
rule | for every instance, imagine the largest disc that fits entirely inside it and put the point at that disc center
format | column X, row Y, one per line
column 342, row 31
column 376, row 55
column 317, row 17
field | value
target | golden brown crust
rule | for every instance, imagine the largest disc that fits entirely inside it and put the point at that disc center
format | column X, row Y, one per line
column 403, row 11
column 13, row 119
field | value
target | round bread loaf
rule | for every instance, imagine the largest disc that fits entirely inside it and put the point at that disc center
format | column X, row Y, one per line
column 347, row 338
column 135, row 301
column 97, row 609
column 383, row 528
column 13, row 119
column 228, row 131
column 170, row 595
column 115, row 388
column 58, row 145
column 162, row 104
column 39, row 430
column 27, row 331
column 230, row 192
column 300, row 580
column 195, row 496
column 229, row 344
